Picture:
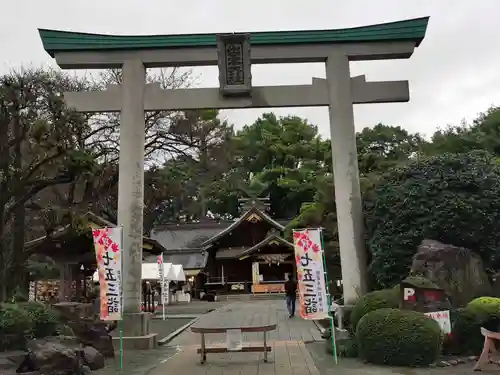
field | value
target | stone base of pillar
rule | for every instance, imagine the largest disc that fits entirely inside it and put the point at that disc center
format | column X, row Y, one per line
column 144, row 342
column 136, row 324
column 136, row 332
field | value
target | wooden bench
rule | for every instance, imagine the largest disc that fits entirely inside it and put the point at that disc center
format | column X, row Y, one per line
column 245, row 320
column 488, row 349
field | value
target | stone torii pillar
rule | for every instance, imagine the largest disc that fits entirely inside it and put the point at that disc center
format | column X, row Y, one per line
column 128, row 99
column 350, row 224
column 131, row 189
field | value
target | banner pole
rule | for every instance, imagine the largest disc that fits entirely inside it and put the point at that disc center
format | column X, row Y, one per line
column 162, row 289
column 121, row 345
column 329, row 298
column 121, row 289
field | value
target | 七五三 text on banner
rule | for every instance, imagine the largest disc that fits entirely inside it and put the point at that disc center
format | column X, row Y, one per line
column 313, row 302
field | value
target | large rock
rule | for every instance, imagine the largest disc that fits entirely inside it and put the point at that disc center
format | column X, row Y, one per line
column 457, row 270
column 68, row 341
column 92, row 358
column 88, row 330
column 51, row 357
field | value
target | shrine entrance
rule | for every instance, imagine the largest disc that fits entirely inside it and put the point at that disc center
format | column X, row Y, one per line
column 234, row 54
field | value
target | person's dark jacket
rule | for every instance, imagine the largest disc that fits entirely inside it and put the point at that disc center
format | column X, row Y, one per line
column 291, row 288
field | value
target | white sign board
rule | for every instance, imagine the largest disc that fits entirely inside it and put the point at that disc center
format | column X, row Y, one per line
column 443, row 319
column 165, row 292
column 234, row 341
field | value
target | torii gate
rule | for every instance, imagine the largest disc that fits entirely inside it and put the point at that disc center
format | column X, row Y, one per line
column 234, row 53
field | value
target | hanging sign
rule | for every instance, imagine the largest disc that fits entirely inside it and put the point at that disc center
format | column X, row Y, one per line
column 235, row 74
column 313, row 302
column 107, row 244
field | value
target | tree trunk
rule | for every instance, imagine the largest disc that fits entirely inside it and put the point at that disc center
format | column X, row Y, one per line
column 19, row 215
column 203, row 182
column 3, row 268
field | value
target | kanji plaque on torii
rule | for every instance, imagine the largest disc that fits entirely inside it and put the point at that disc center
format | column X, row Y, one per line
column 235, row 74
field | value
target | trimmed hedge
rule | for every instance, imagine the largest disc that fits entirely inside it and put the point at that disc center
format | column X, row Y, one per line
column 485, row 305
column 466, row 330
column 379, row 299
column 398, row 338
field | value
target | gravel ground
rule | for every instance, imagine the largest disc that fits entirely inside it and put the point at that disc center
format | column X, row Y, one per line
column 138, row 362
column 348, row 366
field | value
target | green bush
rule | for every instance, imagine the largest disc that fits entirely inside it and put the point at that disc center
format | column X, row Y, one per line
column 398, row 337
column 451, row 198
column 45, row 319
column 347, row 348
column 485, row 305
column 21, row 321
column 379, row 299
column 15, row 327
column 14, row 319
column 466, row 328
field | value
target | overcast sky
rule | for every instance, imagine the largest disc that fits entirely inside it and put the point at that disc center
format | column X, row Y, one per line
column 454, row 74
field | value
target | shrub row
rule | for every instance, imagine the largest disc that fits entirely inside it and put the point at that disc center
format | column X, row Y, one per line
column 386, row 335
column 466, row 329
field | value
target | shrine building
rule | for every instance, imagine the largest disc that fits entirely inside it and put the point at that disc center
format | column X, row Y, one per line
column 246, row 255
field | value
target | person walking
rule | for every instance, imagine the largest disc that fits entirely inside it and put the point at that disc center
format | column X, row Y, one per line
column 291, row 295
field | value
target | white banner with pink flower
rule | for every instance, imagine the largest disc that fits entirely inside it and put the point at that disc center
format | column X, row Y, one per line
column 107, row 243
column 313, row 301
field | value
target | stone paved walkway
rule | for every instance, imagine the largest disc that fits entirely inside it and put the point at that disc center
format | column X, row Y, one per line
column 288, row 357
column 195, row 307
column 287, row 329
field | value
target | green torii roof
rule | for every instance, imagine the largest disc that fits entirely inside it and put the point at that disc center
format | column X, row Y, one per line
column 55, row 41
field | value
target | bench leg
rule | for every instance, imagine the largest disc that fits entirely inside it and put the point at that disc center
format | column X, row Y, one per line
column 265, row 346
column 203, row 354
column 484, row 358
